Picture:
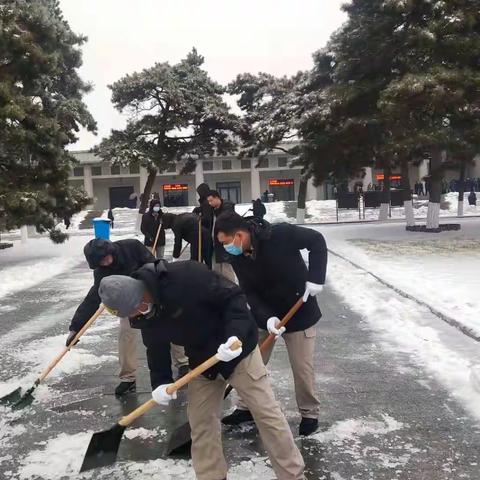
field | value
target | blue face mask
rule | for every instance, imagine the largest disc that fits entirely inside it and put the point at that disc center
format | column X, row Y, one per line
column 232, row 249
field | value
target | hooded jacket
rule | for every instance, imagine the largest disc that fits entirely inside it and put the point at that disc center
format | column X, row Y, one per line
column 150, row 224
column 128, row 256
column 273, row 277
column 199, row 309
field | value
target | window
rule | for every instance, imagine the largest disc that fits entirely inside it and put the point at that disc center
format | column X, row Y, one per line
column 78, row 172
column 230, row 191
column 282, row 161
column 226, row 164
column 263, row 163
column 96, row 171
column 134, row 169
column 208, row 165
column 115, row 169
column 246, row 164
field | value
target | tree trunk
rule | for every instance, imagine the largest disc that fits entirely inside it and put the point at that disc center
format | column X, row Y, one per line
column 435, row 193
column 407, row 193
column 301, row 201
column 145, row 196
column 385, row 198
column 461, row 189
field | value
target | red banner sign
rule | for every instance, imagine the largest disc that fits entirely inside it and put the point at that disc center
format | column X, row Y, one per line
column 381, row 176
column 275, row 182
column 175, row 186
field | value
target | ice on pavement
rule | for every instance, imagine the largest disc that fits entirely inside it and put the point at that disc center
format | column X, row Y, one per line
column 357, row 427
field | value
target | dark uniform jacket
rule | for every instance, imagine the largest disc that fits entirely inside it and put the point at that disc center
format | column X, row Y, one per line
column 129, row 255
column 274, row 276
column 199, row 309
column 149, row 227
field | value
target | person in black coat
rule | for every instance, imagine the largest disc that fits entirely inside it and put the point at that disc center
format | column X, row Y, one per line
column 151, row 221
column 472, row 198
column 220, row 258
column 188, row 304
column 204, row 210
column 122, row 257
column 258, row 208
column 268, row 263
column 185, row 227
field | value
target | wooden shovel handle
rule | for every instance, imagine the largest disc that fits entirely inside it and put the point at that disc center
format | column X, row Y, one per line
column 271, row 338
column 154, row 248
column 200, row 239
column 128, row 419
column 57, row 359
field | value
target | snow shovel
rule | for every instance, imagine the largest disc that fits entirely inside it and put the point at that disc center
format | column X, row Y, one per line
column 27, row 398
column 180, row 441
column 154, row 248
column 103, row 447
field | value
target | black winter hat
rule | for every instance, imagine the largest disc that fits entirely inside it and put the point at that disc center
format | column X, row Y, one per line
column 203, row 190
column 97, row 249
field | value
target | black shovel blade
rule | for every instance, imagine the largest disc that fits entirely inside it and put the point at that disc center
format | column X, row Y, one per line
column 103, row 448
column 25, row 400
column 180, row 442
column 12, row 397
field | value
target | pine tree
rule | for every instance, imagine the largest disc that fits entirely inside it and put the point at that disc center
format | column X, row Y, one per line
column 176, row 112
column 435, row 105
column 41, row 109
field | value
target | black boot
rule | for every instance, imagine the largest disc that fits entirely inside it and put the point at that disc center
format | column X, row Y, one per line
column 238, row 417
column 307, row 426
column 125, row 387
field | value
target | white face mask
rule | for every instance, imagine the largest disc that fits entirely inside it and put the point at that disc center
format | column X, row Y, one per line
column 149, row 308
column 156, row 209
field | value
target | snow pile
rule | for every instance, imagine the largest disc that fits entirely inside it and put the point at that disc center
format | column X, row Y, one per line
column 60, row 457
column 475, row 377
column 352, row 429
column 404, row 326
column 143, row 433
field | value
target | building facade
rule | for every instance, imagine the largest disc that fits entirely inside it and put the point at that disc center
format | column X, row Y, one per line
column 239, row 180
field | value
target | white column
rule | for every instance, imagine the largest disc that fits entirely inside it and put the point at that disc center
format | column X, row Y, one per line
column 87, row 180
column 254, row 180
column 423, row 170
column 24, row 233
column 368, row 178
column 313, row 192
column 199, row 177
column 143, row 179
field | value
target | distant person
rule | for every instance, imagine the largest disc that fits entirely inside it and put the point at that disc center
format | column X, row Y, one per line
column 110, row 217
column 265, row 196
column 472, row 198
column 204, row 209
column 66, row 221
column 185, row 227
column 220, row 258
column 151, row 222
column 369, row 188
column 258, row 208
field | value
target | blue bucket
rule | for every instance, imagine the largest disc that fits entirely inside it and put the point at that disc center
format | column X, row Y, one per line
column 102, row 228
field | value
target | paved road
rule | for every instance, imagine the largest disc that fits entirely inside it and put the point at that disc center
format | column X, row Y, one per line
column 407, row 426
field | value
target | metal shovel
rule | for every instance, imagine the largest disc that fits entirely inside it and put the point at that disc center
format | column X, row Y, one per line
column 103, row 447
column 21, row 401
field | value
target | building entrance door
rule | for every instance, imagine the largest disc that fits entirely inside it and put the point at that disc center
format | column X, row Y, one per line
column 120, row 197
column 230, row 191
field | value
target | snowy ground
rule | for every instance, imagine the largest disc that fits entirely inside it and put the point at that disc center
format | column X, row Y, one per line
column 397, row 384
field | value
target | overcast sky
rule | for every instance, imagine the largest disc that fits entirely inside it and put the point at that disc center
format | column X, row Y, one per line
column 234, row 36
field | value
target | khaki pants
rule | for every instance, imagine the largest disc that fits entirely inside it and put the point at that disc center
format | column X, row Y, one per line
column 160, row 252
column 127, row 350
column 205, row 398
column 226, row 270
column 301, row 349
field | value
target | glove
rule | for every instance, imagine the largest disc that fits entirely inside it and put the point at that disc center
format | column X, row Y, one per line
column 71, row 336
column 225, row 354
column 272, row 324
column 161, row 396
column 312, row 289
